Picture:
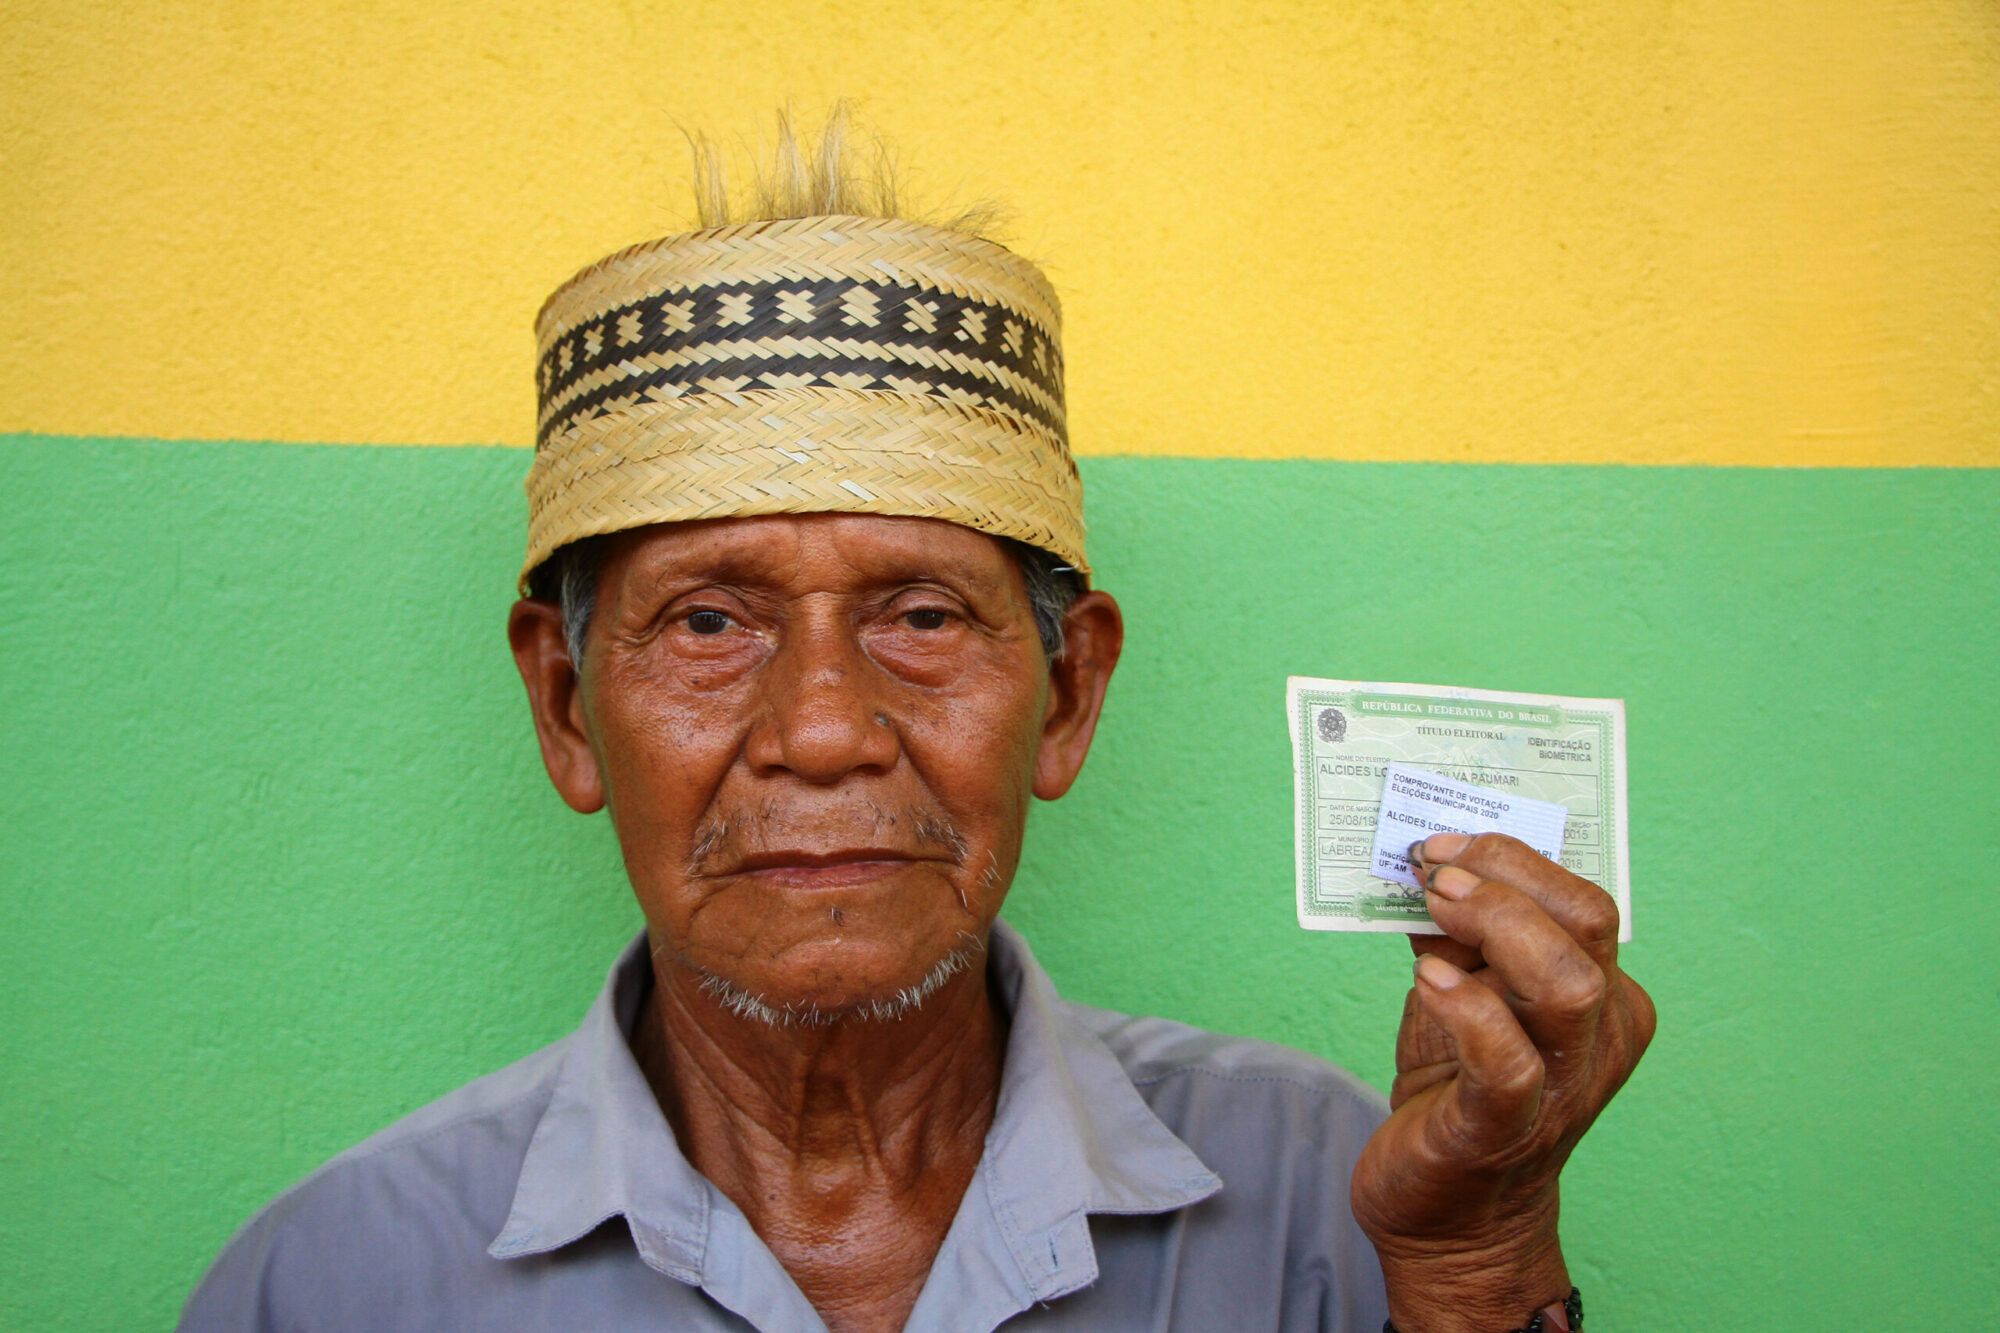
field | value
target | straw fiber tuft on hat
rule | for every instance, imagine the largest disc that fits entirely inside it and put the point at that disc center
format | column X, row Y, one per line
column 831, row 363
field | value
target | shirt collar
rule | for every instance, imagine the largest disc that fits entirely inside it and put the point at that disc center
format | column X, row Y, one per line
column 603, row 1148
column 1071, row 1136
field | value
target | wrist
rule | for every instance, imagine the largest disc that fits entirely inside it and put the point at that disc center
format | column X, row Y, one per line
column 1564, row 1316
column 1479, row 1287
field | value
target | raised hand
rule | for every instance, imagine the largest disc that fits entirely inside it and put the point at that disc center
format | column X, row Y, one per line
column 1519, row 1028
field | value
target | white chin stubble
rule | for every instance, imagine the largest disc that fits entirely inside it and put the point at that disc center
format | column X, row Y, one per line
column 758, row 1009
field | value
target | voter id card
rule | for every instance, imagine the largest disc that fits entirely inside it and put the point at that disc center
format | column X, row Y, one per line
column 1547, row 769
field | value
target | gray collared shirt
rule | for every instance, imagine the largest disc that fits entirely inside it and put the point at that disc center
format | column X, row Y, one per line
column 1139, row 1174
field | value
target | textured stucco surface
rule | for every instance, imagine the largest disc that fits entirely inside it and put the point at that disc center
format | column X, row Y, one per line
column 280, row 863
column 277, row 859
column 1704, row 232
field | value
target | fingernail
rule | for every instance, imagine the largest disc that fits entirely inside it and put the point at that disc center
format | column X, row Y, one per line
column 1444, row 846
column 1453, row 882
column 1555, row 1316
column 1416, row 852
column 1438, row 972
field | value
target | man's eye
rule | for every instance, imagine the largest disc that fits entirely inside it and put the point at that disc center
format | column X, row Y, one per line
column 708, row 622
column 925, row 618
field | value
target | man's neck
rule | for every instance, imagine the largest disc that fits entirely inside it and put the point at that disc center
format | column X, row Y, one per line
column 847, row 1144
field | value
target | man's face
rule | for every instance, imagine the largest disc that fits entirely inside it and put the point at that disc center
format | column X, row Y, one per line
column 817, row 737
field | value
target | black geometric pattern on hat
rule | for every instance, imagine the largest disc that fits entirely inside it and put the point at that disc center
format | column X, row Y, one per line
column 789, row 334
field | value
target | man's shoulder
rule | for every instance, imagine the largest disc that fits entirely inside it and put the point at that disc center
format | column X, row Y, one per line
column 477, row 1130
column 447, row 1172
column 1161, row 1054
column 472, row 1110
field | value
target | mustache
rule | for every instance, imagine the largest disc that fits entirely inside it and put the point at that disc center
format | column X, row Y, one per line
column 725, row 836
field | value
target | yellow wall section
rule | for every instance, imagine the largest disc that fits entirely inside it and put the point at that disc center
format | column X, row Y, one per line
column 1639, row 232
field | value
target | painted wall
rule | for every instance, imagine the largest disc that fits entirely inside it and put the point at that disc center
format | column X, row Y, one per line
column 1649, row 349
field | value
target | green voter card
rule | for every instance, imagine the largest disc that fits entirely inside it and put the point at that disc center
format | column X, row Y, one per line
column 1525, row 749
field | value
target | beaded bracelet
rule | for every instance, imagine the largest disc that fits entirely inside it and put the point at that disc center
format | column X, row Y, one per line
column 1572, row 1308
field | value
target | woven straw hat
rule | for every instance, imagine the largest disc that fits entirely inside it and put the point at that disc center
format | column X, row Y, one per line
column 809, row 365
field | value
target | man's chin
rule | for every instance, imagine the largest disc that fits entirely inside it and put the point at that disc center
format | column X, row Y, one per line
column 841, row 977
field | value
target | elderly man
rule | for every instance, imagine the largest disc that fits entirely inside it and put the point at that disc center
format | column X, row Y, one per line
column 809, row 614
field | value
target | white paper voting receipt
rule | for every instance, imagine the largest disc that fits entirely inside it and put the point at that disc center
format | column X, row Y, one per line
column 1515, row 760
column 1417, row 803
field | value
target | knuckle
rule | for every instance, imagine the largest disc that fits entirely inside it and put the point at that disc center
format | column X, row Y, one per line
column 1520, row 915
column 1491, row 853
column 1506, row 1057
column 1518, row 1070
column 1645, row 1015
column 1511, row 909
column 1519, row 1063
column 1596, row 916
column 1578, row 989
column 1496, row 856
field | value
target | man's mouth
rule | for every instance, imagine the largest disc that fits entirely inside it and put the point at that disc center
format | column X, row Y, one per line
column 851, row 866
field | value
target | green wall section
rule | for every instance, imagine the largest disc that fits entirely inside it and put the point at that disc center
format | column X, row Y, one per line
column 279, row 862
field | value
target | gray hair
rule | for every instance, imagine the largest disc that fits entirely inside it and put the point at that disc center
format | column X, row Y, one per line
column 569, row 579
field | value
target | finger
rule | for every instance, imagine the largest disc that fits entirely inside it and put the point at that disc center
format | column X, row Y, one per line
column 1493, row 1102
column 1424, row 1053
column 1460, row 955
column 1557, row 987
column 1579, row 906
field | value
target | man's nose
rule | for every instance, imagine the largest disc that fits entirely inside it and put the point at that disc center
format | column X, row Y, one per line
column 823, row 711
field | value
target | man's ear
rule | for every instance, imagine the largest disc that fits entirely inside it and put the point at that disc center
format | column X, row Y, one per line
column 555, row 696
column 1093, row 636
